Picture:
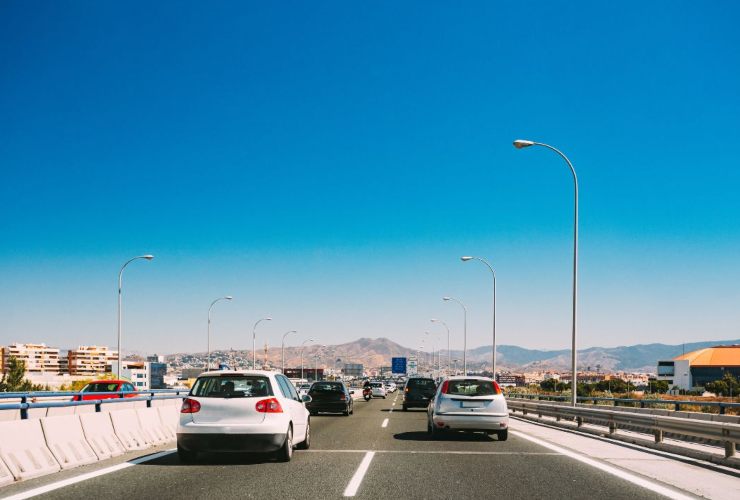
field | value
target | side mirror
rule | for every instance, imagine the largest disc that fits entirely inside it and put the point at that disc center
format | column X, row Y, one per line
column 351, row 392
column 306, row 398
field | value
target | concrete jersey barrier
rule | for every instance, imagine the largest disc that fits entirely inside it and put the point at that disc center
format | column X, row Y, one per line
column 23, row 449
column 151, row 426
column 66, row 441
column 5, row 476
column 128, row 429
column 100, row 435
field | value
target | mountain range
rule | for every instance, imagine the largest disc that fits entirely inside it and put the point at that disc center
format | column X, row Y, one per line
column 379, row 351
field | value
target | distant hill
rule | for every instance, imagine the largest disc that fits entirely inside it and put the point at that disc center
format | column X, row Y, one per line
column 379, row 351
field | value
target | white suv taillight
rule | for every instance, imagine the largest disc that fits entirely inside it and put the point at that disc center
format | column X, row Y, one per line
column 190, row 406
column 271, row 405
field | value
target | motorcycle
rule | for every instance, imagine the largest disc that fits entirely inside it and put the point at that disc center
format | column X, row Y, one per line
column 367, row 393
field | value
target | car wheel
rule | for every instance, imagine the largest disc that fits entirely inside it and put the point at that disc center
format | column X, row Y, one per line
column 306, row 444
column 436, row 432
column 352, row 409
column 430, row 428
column 285, row 453
column 502, row 435
column 383, row 397
column 313, row 412
column 405, row 408
column 185, row 456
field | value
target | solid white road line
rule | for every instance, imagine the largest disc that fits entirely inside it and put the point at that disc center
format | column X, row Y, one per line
column 614, row 471
column 356, row 481
column 385, row 423
column 84, row 477
column 435, row 452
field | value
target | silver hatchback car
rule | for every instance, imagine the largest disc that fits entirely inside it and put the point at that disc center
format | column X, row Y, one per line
column 471, row 404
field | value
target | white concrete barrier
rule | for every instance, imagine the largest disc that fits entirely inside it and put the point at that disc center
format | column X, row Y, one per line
column 84, row 409
column 152, row 427
column 101, row 437
column 5, row 476
column 58, row 412
column 115, row 407
column 128, row 429
column 9, row 415
column 23, row 449
column 65, row 439
column 170, row 416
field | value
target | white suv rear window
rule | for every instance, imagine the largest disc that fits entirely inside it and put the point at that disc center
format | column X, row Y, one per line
column 232, row 386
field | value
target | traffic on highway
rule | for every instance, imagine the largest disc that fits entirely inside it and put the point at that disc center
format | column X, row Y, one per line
column 240, row 432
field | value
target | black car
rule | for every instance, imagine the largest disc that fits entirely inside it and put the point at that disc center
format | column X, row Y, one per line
column 418, row 392
column 330, row 397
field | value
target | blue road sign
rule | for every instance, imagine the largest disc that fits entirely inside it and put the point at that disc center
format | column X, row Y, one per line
column 398, row 366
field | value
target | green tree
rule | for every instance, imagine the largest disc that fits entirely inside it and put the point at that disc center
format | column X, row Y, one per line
column 726, row 386
column 14, row 379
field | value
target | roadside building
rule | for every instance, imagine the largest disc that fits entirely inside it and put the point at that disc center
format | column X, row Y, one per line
column 695, row 369
column 91, row 360
column 510, row 380
column 144, row 375
column 39, row 358
column 353, row 370
column 308, row 373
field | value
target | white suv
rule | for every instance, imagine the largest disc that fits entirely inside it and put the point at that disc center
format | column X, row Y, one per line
column 473, row 404
column 243, row 411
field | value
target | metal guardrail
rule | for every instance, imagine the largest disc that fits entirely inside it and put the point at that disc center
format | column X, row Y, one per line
column 120, row 397
column 641, row 403
column 724, row 432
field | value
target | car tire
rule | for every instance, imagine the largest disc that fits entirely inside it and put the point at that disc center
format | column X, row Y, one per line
column 383, row 397
column 436, row 432
column 186, row 456
column 306, row 443
column 430, row 428
column 502, row 435
column 285, row 453
column 405, row 408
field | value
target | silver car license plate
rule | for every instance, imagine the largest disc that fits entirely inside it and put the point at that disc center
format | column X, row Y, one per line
column 471, row 404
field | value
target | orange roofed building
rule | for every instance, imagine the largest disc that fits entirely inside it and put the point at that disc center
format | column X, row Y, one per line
column 695, row 369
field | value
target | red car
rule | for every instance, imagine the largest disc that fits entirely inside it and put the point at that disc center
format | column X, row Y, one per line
column 94, row 389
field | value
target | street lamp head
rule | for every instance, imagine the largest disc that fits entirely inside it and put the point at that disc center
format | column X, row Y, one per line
column 446, row 298
column 228, row 297
column 148, row 256
column 269, row 318
column 465, row 259
column 521, row 143
column 434, row 320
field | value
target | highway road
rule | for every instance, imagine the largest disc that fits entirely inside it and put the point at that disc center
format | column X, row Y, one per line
column 383, row 452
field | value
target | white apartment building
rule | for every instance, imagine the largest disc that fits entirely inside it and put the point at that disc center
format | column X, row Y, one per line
column 39, row 358
column 91, row 360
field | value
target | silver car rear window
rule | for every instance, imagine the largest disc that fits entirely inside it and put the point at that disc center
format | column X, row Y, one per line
column 232, row 386
column 471, row 387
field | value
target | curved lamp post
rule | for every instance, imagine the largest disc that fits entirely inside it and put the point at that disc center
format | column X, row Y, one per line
column 303, row 346
column 490, row 267
column 227, row 297
column 282, row 351
column 465, row 332
column 120, row 288
column 254, row 338
column 520, row 144
column 449, row 356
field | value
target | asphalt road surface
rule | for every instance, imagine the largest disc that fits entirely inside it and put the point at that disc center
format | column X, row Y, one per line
column 379, row 452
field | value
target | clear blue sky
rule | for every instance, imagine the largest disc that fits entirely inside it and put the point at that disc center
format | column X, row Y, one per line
column 327, row 163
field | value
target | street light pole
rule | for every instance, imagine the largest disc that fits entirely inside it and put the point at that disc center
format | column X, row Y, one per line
column 465, row 332
column 449, row 356
column 282, row 351
column 120, row 288
column 493, row 273
column 254, row 338
column 519, row 144
column 303, row 346
column 228, row 297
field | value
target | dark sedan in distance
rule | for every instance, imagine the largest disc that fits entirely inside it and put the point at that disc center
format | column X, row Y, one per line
column 330, row 397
